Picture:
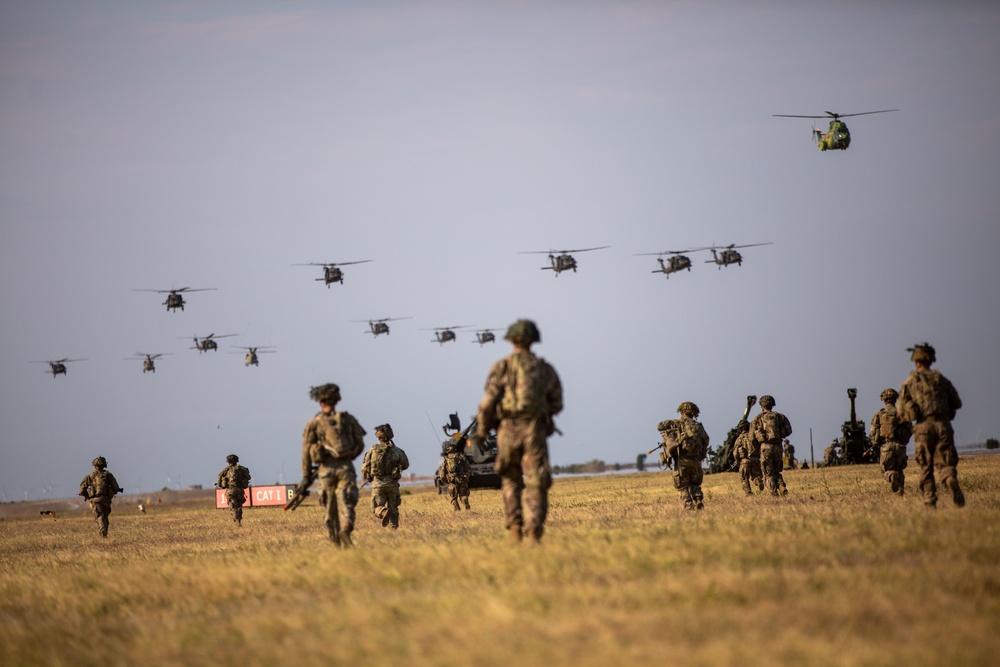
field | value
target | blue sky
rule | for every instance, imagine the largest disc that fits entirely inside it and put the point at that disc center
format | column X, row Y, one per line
column 173, row 144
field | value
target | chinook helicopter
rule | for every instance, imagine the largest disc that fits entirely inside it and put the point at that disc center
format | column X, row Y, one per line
column 728, row 255
column 561, row 260
column 331, row 271
column 678, row 261
column 147, row 360
column 57, row 367
column 251, row 355
column 208, row 343
column 444, row 334
column 376, row 327
column 838, row 137
column 174, row 298
column 484, row 336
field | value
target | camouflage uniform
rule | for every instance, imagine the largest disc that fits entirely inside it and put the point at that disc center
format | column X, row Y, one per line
column 830, row 457
column 100, row 487
column 788, row 456
column 768, row 429
column 891, row 434
column 748, row 456
column 930, row 400
column 383, row 466
column 522, row 395
column 235, row 479
column 331, row 441
column 686, row 443
column 456, row 471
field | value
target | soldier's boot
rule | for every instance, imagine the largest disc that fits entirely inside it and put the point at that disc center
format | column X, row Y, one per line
column 515, row 532
column 467, row 506
column 334, row 533
column 534, row 535
column 345, row 540
column 385, row 520
column 455, row 506
column 760, row 484
column 956, row 491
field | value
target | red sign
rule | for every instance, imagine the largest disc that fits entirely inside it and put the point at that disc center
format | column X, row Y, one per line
column 259, row 496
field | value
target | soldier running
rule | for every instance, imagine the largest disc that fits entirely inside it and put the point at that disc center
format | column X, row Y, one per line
column 383, row 466
column 235, row 479
column 100, row 487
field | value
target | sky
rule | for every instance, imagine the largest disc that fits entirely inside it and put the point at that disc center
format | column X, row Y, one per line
column 217, row 145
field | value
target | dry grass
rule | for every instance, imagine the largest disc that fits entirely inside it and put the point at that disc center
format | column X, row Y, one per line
column 838, row 573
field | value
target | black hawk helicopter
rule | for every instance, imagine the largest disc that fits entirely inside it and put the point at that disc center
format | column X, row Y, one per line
column 57, row 367
column 838, row 137
column 251, row 355
column 728, row 255
column 484, row 336
column 174, row 298
column 331, row 270
column 678, row 261
column 376, row 327
column 147, row 360
column 561, row 260
column 208, row 343
column 444, row 334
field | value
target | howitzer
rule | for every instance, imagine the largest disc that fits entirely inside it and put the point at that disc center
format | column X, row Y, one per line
column 724, row 459
column 302, row 490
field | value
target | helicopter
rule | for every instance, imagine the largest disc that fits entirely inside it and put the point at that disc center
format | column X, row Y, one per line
column 174, row 298
column 728, row 255
column 331, row 271
column 252, row 352
column 444, row 334
column 147, row 360
column 484, row 336
column 561, row 260
column 57, row 367
column 838, row 137
column 377, row 327
column 678, row 261
column 208, row 343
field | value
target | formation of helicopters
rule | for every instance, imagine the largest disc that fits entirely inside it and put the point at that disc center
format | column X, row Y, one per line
column 837, row 137
column 331, row 270
column 679, row 261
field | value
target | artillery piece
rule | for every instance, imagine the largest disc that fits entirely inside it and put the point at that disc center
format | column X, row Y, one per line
column 481, row 455
column 722, row 459
column 855, row 446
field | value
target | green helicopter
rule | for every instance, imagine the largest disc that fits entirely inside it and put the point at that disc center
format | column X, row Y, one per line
column 838, row 137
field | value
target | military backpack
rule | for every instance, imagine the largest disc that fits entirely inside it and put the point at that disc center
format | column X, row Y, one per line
column 892, row 428
column 103, row 485
column 773, row 427
column 524, row 393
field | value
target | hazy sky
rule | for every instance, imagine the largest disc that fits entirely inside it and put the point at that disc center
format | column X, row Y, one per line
column 214, row 145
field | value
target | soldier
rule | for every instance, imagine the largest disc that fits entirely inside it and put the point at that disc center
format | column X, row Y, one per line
column 788, row 455
column 892, row 434
column 930, row 400
column 100, row 487
column 830, row 457
column 383, row 466
column 686, row 444
column 748, row 456
column 456, row 473
column 330, row 442
column 235, row 479
column 522, row 395
column 768, row 429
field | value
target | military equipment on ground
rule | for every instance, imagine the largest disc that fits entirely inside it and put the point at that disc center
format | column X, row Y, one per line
column 331, row 271
column 838, row 137
column 481, row 455
column 250, row 359
column 57, row 366
column 175, row 299
column 302, row 489
column 444, row 334
column 729, row 255
column 484, row 336
column 561, row 260
column 855, row 446
column 207, row 343
column 147, row 360
column 677, row 261
column 378, row 327
column 722, row 459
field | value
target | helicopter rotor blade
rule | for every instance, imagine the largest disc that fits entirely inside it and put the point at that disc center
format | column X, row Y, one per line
column 864, row 113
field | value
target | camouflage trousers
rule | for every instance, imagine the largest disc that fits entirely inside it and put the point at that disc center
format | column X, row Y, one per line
column 892, row 460
column 385, row 502
column 771, row 467
column 102, row 508
column 751, row 475
column 236, row 498
column 934, row 442
column 523, row 465
column 687, row 479
column 459, row 491
column 339, row 486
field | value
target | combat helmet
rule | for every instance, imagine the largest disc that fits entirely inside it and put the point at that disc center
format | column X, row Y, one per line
column 766, row 401
column 100, row 462
column 922, row 352
column 328, row 393
column 383, row 431
column 524, row 330
column 232, row 459
column 743, row 426
column 889, row 394
column 688, row 408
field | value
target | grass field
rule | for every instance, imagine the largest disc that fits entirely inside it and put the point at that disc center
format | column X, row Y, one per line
column 839, row 572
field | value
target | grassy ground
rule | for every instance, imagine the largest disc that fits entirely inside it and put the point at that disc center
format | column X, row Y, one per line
column 840, row 572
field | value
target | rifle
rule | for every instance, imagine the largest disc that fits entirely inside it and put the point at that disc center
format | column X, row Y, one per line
column 302, row 489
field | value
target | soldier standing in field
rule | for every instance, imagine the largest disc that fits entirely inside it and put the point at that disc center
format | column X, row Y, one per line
column 686, row 444
column 930, row 400
column 747, row 455
column 383, row 466
column 235, row 479
column 330, row 443
column 768, row 429
column 522, row 395
column 891, row 434
column 100, row 487
column 457, row 471
column 788, row 455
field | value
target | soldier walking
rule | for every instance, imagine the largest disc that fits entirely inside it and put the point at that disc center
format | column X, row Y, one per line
column 747, row 454
column 235, row 479
column 930, row 400
column 330, row 443
column 768, row 429
column 457, row 471
column 890, row 434
column 100, row 487
column 686, row 444
column 522, row 395
column 383, row 466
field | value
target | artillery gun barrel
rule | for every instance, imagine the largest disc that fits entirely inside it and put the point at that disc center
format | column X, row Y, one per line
column 853, row 394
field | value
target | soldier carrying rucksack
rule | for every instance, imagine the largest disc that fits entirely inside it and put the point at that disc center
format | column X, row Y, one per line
column 686, row 445
column 457, row 472
column 768, row 429
column 235, row 479
column 100, row 487
column 890, row 434
column 383, row 466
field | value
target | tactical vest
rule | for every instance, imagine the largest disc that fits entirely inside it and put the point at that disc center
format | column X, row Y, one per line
column 929, row 392
column 380, row 464
column 237, row 477
column 891, row 427
column 524, row 386
column 692, row 440
column 771, row 424
column 103, row 486
column 340, row 435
